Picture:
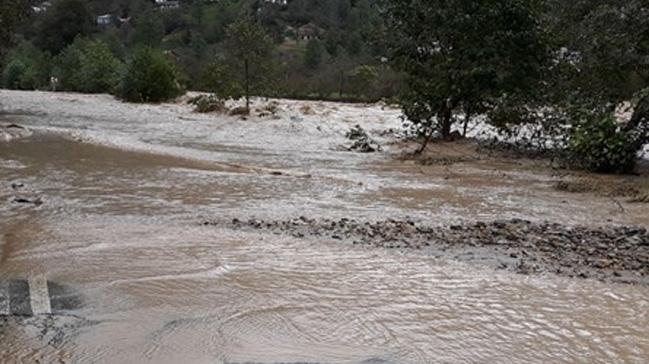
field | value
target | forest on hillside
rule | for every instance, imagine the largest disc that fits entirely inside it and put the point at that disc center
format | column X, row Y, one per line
column 323, row 49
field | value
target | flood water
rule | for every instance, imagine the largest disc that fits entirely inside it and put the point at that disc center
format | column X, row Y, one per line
column 125, row 189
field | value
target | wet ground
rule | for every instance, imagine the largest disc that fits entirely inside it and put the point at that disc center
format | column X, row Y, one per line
column 124, row 190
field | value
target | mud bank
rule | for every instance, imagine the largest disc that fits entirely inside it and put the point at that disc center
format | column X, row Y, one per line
column 612, row 254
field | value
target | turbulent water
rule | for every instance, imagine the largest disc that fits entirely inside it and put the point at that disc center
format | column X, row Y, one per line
column 125, row 188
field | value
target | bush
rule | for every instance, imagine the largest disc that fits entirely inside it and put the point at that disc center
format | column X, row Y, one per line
column 87, row 66
column 13, row 74
column 27, row 68
column 600, row 144
column 149, row 77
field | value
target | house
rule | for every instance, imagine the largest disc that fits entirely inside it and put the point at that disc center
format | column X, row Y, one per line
column 309, row 31
column 105, row 20
column 41, row 7
column 167, row 4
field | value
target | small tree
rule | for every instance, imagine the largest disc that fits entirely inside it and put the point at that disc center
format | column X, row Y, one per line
column 149, row 77
column 363, row 79
column 462, row 57
column 248, row 60
column 27, row 68
column 87, row 66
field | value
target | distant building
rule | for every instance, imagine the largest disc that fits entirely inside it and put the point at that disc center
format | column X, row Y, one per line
column 41, row 7
column 167, row 4
column 309, row 31
column 105, row 20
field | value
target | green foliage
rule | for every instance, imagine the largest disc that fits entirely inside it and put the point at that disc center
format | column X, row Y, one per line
column 601, row 59
column 600, row 144
column 64, row 21
column 363, row 79
column 149, row 29
column 462, row 56
column 87, row 66
column 27, row 68
column 247, row 68
column 12, row 14
column 219, row 79
column 13, row 75
column 149, row 77
column 313, row 54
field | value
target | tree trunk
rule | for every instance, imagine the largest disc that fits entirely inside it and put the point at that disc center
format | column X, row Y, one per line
column 247, row 75
column 425, row 143
column 446, row 122
column 467, row 118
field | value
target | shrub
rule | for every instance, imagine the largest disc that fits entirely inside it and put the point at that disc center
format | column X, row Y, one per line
column 149, row 77
column 87, row 66
column 13, row 74
column 27, row 68
column 601, row 144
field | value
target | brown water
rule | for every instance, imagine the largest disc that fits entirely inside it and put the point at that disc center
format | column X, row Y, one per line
column 123, row 229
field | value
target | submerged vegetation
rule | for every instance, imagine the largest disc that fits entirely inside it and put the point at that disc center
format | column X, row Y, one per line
column 562, row 69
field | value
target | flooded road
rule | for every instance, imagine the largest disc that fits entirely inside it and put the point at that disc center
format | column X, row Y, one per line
column 124, row 191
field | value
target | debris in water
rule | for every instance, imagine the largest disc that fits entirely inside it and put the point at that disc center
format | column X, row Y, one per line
column 363, row 143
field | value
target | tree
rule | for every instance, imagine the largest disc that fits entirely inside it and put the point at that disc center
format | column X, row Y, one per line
column 313, row 54
column 149, row 29
column 463, row 57
column 149, row 77
column 248, row 58
column 12, row 14
column 87, row 66
column 27, row 68
column 601, row 63
column 63, row 22
column 362, row 79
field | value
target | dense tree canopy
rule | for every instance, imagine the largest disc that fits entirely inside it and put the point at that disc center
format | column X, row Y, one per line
column 463, row 56
column 62, row 23
column 12, row 14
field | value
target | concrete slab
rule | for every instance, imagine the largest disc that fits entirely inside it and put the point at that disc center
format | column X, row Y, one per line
column 39, row 294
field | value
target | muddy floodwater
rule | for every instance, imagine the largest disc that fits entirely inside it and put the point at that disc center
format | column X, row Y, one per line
column 107, row 200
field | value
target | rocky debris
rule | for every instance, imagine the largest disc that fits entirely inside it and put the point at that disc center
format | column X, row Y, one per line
column 208, row 104
column 11, row 131
column 631, row 191
column 362, row 142
column 611, row 253
column 35, row 201
column 239, row 111
column 270, row 109
column 445, row 161
column 24, row 195
column 307, row 110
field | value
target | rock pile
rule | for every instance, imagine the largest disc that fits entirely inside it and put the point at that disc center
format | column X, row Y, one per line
column 362, row 142
column 612, row 253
